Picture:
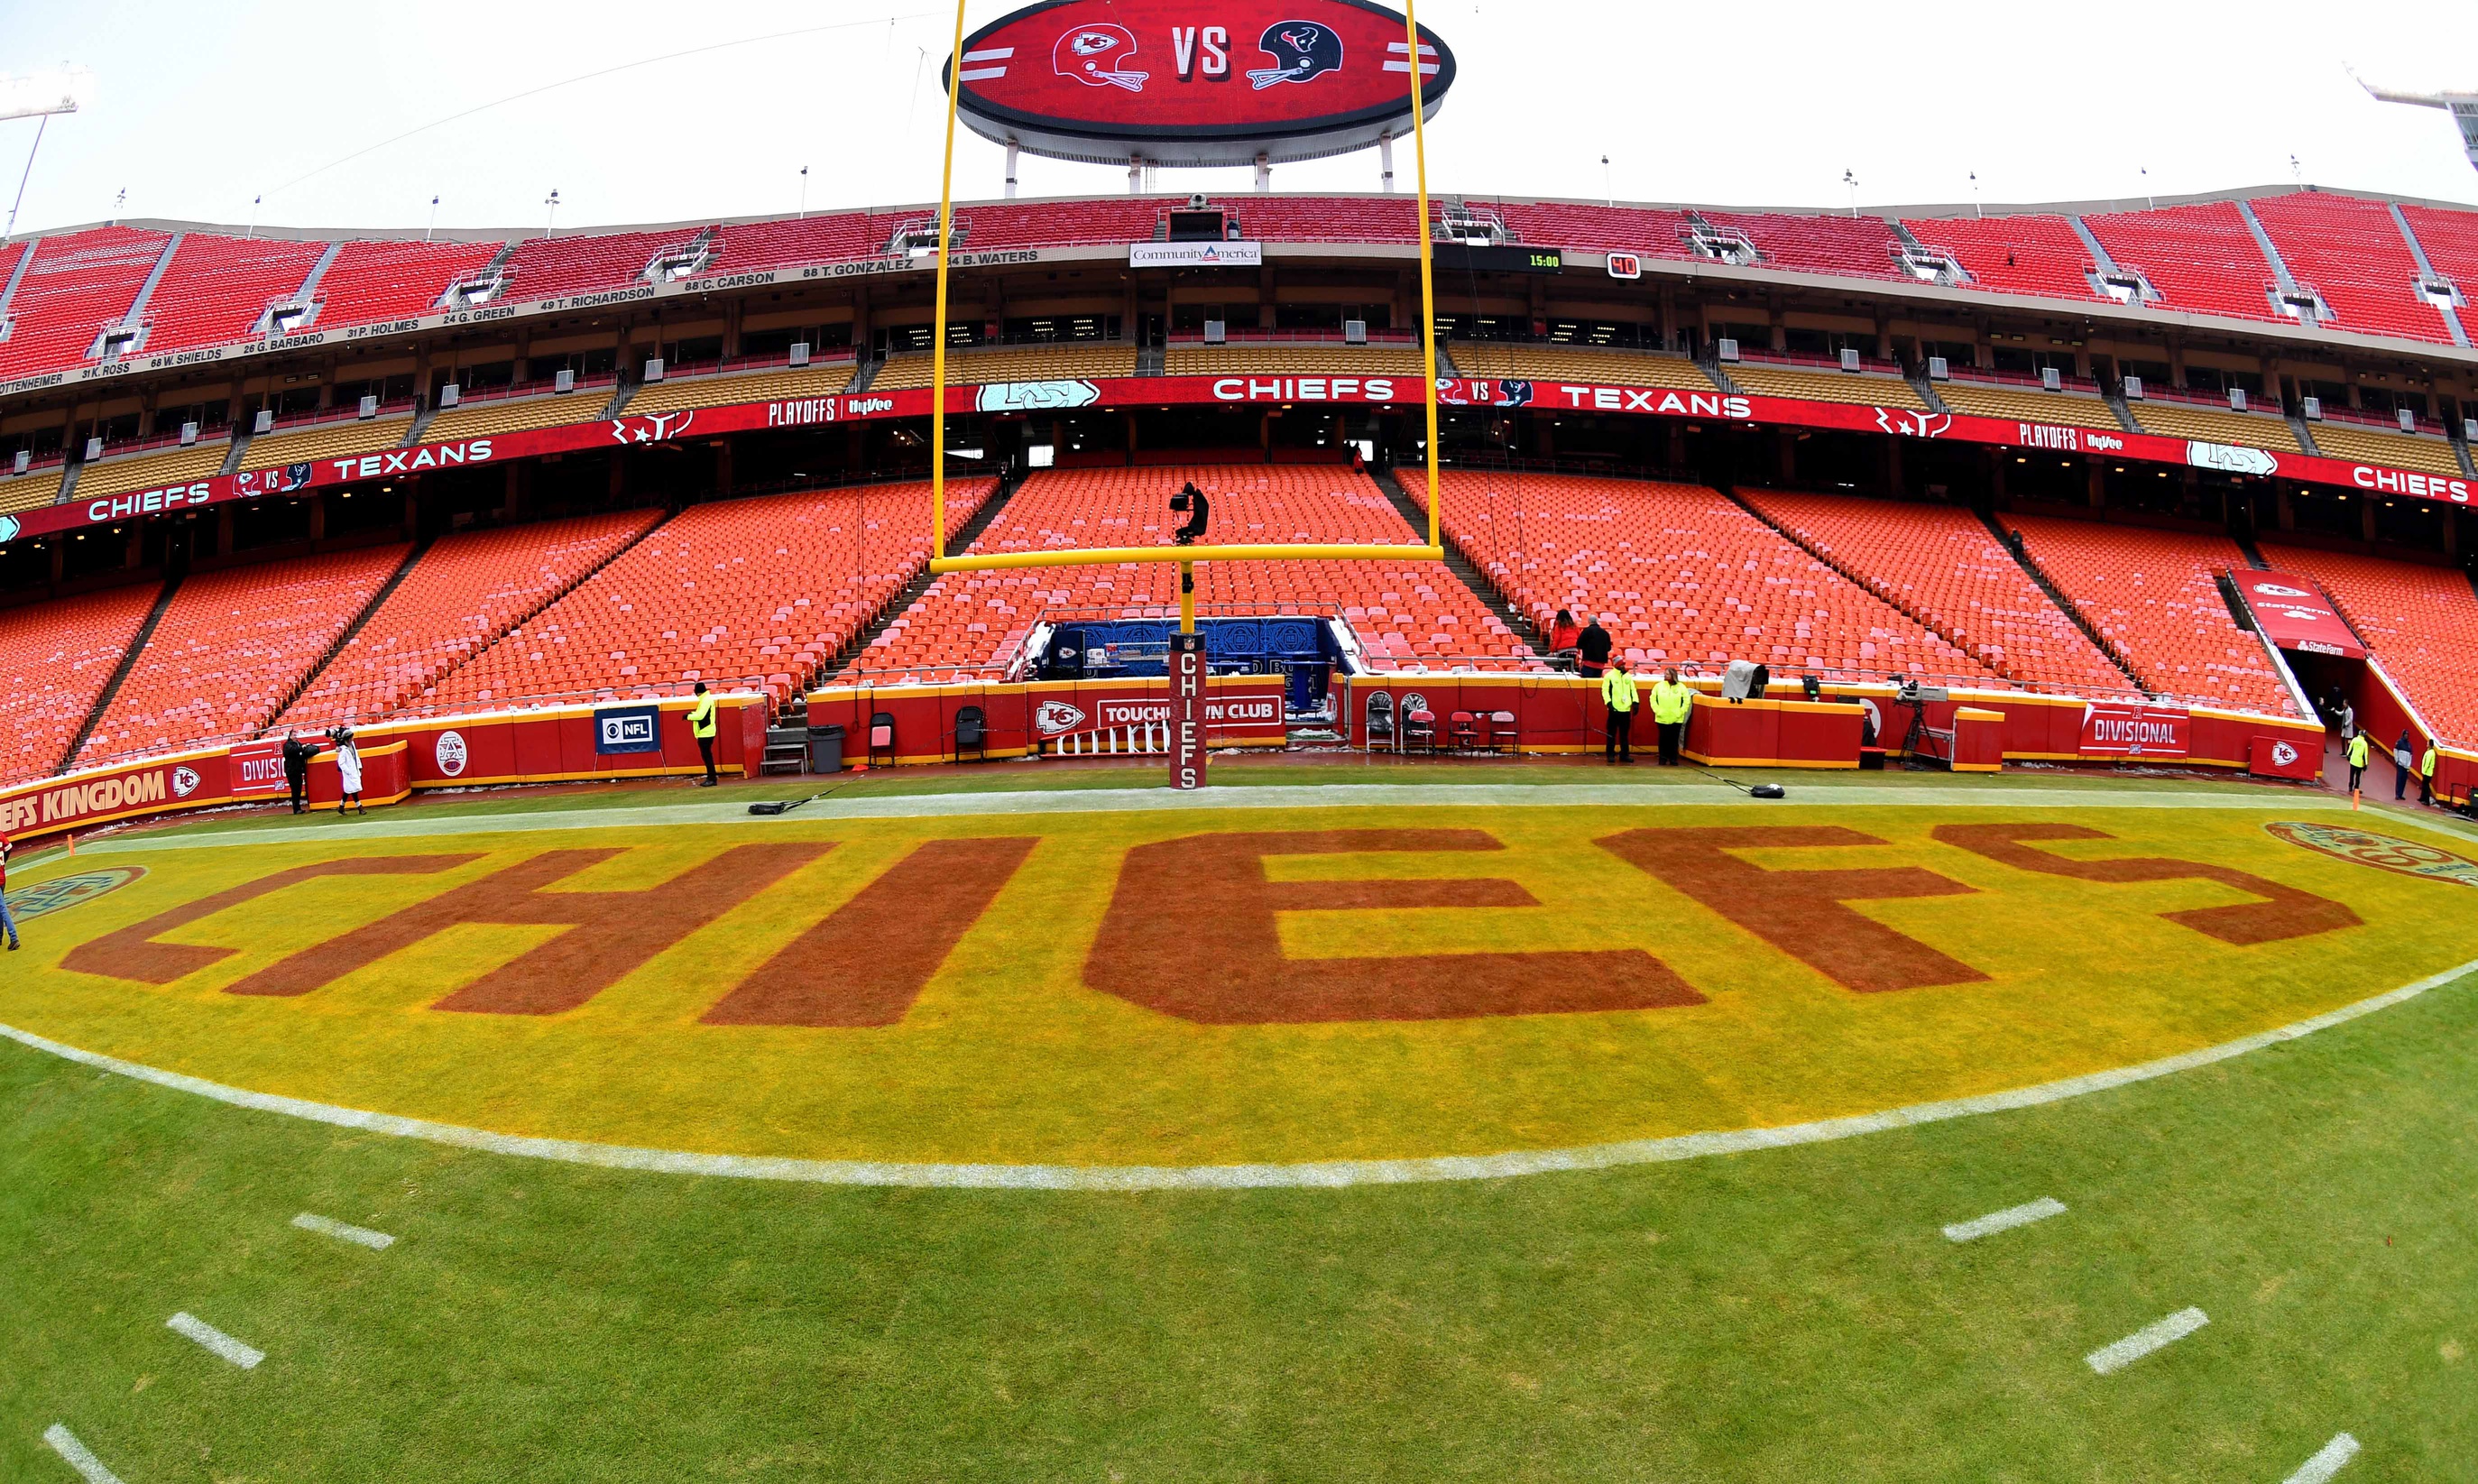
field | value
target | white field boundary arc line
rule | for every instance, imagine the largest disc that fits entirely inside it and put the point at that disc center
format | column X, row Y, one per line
column 1326, row 796
column 2319, row 1468
column 2007, row 1219
column 1318, row 1175
column 2156, row 1336
column 75, row 1454
column 344, row 1231
column 247, row 1357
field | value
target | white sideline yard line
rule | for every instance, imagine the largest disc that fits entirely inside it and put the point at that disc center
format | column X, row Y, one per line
column 2109, row 1358
column 2007, row 1219
column 344, row 1231
column 1326, row 1174
column 75, row 1454
column 247, row 1357
column 2319, row 1468
column 1079, row 801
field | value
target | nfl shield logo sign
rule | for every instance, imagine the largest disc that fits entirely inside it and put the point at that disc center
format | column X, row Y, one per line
column 628, row 729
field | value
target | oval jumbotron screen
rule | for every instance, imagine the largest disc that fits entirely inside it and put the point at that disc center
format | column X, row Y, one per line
column 1181, row 84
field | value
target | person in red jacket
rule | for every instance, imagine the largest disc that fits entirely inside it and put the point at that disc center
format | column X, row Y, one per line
column 1564, row 633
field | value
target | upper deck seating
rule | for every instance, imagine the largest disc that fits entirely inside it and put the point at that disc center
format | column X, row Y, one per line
column 1943, row 567
column 76, row 285
column 549, row 267
column 2025, row 254
column 780, row 386
column 375, row 281
column 762, row 592
column 2156, row 595
column 231, row 645
column 217, row 288
column 2201, row 258
column 1979, row 399
column 1404, row 610
column 2417, row 618
column 825, row 237
column 1059, row 361
column 2352, row 252
column 1679, row 575
column 1846, row 246
column 2450, row 238
column 460, row 596
column 54, row 660
column 2212, row 425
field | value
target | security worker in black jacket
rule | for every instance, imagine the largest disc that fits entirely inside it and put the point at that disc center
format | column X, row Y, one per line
column 296, row 768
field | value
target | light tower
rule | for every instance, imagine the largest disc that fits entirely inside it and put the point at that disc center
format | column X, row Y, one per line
column 2462, row 106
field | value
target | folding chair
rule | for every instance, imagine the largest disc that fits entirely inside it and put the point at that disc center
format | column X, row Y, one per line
column 881, row 739
column 972, row 734
column 1420, row 731
column 1463, row 730
column 1380, row 721
column 1504, row 734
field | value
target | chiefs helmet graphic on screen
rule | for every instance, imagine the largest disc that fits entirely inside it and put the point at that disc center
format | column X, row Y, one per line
column 1097, row 56
column 1301, row 50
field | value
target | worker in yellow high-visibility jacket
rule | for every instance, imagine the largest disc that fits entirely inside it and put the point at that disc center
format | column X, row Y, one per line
column 2426, row 774
column 2356, row 761
column 1617, row 690
column 701, row 727
column 1671, row 704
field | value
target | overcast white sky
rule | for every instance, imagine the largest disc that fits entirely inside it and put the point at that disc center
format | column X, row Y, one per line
column 200, row 107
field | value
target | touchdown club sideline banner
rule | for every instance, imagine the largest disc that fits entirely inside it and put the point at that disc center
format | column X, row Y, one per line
column 1036, row 398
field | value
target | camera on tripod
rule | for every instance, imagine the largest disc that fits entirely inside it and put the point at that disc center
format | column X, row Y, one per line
column 1190, row 501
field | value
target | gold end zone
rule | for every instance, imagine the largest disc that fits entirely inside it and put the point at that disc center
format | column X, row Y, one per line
column 1114, row 556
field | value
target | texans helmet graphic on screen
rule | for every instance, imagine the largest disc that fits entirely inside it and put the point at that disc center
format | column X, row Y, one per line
column 1097, row 56
column 1302, row 48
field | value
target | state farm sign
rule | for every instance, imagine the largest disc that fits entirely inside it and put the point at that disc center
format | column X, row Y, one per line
column 1196, row 82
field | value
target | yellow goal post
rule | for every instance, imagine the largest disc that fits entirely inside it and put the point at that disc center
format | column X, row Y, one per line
column 1185, row 556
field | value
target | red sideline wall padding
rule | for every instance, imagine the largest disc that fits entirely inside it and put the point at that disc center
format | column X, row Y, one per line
column 1241, row 710
column 532, row 746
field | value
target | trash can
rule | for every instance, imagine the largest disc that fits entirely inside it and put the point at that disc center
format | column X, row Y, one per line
column 825, row 749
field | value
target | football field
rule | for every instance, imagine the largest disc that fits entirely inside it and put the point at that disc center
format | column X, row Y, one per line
column 1485, row 1123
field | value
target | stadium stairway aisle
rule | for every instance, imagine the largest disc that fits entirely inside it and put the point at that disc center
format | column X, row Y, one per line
column 1943, row 568
column 1679, row 574
column 759, row 590
column 2156, row 595
column 456, row 599
column 232, row 645
column 2417, row 619
column 1404, row 611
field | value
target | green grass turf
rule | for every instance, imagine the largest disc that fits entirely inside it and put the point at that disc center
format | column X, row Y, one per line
column 1791, row 1315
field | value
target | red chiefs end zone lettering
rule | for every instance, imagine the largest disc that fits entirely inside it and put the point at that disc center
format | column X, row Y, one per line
column 1195, row 81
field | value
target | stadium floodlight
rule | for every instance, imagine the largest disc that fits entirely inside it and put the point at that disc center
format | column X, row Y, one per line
column 64, row 90
column 61, row 91
column 2462, row 106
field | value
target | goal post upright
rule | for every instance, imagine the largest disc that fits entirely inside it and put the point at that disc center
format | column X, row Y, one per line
column 1428, row 274
column 937, row 326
